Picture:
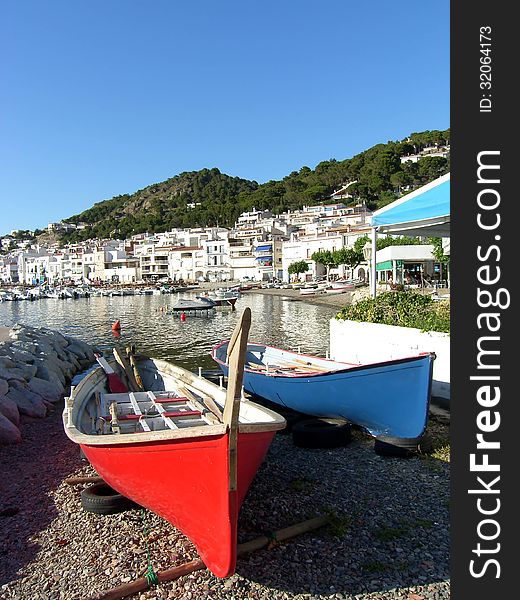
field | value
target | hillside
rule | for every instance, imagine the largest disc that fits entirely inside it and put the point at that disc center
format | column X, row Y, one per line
column 207, row 197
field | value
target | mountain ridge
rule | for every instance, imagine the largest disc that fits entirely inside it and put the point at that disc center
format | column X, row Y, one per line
column 208, row 197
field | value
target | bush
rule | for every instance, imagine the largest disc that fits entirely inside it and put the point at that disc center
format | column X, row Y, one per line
column 405, row 309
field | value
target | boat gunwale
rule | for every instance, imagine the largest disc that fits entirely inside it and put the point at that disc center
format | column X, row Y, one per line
column 352, row 368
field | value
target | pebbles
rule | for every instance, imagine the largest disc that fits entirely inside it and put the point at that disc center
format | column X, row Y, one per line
column 389, row 539
column 35, row 366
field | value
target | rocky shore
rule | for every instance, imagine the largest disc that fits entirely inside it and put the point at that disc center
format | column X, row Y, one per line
column 35, row 366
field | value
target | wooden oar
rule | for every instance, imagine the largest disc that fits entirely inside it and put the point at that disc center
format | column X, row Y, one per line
column 124, row 364
column 115, row 385
column 133, row 364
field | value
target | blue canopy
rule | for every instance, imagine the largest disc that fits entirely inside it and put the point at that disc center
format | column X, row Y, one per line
column 423, row 212
column 265, row 248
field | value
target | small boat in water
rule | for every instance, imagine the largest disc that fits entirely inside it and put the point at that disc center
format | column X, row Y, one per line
column 226, row 302
column 180, row 445
column 388, row 399
column 200, row 304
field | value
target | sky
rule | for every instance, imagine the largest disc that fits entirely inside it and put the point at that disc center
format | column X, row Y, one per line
column 105, row 97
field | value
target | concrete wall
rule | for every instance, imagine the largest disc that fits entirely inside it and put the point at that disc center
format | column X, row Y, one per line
column 351, row 341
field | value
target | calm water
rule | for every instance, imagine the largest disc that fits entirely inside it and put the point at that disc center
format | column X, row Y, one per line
column 275, row 320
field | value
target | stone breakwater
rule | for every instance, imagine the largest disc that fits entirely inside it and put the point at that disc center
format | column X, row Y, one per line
column 36, row 364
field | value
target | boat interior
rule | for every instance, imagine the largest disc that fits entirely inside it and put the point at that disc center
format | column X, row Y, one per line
column 262, row 358
column 173, row 400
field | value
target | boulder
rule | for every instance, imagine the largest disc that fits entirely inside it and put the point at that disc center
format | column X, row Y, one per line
column 24, row 345
column 47, row 389
column 56, row 378
column 9, row 409
column 20, row 355
column 9, row 374
column 28, row 403
column 4, row 387
column 77, row 351
column 9, row 433
column 6, row 362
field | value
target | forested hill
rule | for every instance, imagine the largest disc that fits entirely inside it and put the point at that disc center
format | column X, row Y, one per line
column 207, row 197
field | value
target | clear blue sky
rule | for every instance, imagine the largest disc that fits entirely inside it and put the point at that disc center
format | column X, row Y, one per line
column 104, row 97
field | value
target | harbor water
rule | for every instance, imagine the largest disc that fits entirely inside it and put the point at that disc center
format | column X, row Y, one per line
column 276, row 320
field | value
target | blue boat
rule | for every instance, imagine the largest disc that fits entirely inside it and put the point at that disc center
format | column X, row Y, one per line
column 388, row 399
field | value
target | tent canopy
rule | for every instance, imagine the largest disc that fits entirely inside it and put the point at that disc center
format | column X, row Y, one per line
column 423, row 212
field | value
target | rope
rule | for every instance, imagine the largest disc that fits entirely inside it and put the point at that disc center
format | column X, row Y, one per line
column 150, row 575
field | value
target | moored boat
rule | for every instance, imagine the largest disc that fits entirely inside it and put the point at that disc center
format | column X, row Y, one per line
column 200, row 304
column 388, row 399
column 340, row 286
column 220, row 301
column 182, row 447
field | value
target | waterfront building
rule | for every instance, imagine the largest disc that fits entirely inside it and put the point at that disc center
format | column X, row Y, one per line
column 8, row 270
column 302, row 246
column 153, row 261
column 412, row 265
column 119, row 267
column 216, row 251
column 187, row 263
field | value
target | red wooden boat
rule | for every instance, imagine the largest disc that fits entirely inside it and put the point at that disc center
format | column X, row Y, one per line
column 181, row 446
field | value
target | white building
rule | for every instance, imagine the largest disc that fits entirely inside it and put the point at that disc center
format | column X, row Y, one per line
column 187, row 263
column 8, row 270
column 119, row 267
column 304, row 246
column 406, row 264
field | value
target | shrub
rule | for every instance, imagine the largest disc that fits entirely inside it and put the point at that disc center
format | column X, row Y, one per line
column 405, row 309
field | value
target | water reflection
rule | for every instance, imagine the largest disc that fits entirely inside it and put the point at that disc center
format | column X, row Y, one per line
column 275, row 320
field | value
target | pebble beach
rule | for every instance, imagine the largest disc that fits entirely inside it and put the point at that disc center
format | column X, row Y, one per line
column 389, row 538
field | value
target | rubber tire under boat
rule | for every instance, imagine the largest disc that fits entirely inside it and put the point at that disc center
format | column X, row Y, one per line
column 321, row 433
column 403, row 447
column 101, row 499
column 292, row 418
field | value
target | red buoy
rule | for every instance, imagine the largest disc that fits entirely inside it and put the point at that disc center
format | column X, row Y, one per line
column 183, row 316
column 116, row 326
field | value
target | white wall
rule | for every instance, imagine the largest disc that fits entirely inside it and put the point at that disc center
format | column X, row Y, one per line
column 352, row 341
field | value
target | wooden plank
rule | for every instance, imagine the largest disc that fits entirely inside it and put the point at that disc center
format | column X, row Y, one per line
column 237, row 359
column 161, row 411
column 210, row 419
column 137, row 411
column 182, row 413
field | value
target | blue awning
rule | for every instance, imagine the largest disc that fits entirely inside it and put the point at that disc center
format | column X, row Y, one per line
column 425, row 211
column 264, row 258
column 265, row 248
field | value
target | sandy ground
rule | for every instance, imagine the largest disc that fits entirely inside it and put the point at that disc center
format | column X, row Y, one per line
column 339, row 300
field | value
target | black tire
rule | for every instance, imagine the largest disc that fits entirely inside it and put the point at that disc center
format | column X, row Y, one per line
column 403, row 447
column 101, row 499
column 291, row 418
column 321, row 433
column 386, row 449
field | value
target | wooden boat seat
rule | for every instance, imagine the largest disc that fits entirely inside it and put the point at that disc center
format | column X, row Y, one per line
column 135, row 412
